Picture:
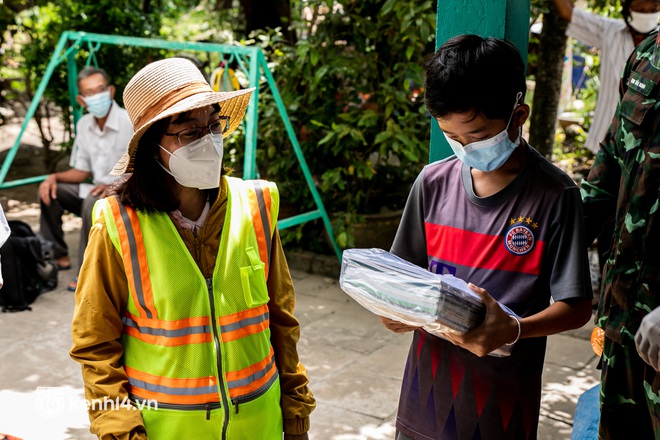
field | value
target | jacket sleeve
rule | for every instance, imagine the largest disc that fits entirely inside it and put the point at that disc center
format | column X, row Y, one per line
column 297, row 400
column 101, row 299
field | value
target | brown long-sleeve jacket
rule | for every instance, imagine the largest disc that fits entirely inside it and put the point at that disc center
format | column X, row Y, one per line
column 101, row 299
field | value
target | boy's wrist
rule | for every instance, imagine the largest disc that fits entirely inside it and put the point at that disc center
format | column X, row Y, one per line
column 518, row 330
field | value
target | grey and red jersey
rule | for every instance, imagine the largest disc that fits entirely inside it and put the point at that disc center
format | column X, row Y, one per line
column 524, row 245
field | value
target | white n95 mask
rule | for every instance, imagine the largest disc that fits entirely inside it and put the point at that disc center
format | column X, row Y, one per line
column 198, row 164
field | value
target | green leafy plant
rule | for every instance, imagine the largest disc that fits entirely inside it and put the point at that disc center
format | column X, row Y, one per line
column 352, row 85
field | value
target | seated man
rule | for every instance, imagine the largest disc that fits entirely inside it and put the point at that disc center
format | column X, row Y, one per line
column 102, row 137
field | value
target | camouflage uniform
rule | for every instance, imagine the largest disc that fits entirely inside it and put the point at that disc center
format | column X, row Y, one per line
column 623, row 185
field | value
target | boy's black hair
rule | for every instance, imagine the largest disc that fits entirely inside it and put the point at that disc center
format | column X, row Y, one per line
column 469, row 73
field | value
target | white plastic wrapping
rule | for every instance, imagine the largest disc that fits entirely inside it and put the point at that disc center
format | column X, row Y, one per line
column 391, row 287
column 4, row 235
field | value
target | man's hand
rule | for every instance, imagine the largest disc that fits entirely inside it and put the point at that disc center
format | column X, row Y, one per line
column 396, row 326
column 99, row 190
column 296, row 436
column 497, row 329
column 48, row 189
column 647, row 339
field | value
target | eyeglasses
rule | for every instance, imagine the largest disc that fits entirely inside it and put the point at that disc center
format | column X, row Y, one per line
column 96, row 91
column 191, row 134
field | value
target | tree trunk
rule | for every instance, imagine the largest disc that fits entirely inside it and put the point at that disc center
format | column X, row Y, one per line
column 552, row 47
column 263, row 14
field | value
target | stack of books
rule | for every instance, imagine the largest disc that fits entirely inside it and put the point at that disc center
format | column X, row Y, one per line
column 394, row 288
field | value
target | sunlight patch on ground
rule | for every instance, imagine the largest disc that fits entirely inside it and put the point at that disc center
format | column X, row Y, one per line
column 45, row 413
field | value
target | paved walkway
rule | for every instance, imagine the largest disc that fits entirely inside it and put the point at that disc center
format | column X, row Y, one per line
column 355, row 367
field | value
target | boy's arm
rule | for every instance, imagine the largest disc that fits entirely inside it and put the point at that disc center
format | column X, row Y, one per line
column 410, row 240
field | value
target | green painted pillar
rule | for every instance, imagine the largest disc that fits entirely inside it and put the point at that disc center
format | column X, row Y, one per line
column 507, row 19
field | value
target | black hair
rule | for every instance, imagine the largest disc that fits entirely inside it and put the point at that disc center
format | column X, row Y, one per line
column 89, row 71
column 469, row 73
column 150, row 188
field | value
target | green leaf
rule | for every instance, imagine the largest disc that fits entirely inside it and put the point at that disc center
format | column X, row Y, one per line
column 409, row 52
column 382, row 137
column 328, row 137
column 314, row 58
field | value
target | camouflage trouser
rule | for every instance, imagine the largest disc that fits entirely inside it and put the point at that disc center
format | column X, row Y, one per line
column 629, row 395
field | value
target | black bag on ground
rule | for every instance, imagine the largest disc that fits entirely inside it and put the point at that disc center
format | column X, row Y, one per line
column 28, row 267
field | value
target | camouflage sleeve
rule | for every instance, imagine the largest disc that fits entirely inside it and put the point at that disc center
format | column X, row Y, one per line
column 599, row 191
column 601, row 188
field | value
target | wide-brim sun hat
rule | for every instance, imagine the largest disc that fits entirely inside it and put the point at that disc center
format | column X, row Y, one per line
column 166, row 88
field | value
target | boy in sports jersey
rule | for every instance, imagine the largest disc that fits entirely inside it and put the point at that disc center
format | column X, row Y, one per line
column 500, row 216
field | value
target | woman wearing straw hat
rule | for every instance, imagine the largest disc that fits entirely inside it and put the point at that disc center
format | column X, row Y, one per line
column 184, row 319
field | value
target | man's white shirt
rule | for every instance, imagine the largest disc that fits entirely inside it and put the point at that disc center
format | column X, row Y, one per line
column 97, row 151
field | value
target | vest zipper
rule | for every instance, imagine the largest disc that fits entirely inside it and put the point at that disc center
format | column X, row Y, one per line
column 235, row 401
column 191, row 407
column 221, row 381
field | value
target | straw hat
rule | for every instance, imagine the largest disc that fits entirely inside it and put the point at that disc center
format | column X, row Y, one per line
column 168, row 87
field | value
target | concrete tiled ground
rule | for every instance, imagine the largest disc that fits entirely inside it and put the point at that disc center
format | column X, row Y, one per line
column 355, row 368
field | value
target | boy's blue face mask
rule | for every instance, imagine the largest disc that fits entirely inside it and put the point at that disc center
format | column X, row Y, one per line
column 489, row 154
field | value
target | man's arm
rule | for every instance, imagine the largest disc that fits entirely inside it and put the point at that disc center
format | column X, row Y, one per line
column 48, row 188
column 565, row 9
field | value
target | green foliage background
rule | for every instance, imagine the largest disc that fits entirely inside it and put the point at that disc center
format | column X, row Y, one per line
column 352, row 84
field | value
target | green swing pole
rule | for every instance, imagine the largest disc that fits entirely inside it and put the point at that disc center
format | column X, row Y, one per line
column 55, row 60
column 320, row 211
column 249, row 160
column 72, row 78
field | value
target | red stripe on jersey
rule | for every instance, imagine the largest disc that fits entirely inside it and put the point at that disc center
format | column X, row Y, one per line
column 483, row 251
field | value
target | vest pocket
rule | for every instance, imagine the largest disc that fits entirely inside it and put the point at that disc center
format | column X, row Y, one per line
column 253, row 280
column 257, row 415
column 183, row 421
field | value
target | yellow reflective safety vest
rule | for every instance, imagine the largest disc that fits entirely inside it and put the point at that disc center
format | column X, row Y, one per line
column 197, row 351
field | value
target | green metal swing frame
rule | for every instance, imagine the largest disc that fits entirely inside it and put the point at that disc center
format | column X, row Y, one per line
column 250, row 59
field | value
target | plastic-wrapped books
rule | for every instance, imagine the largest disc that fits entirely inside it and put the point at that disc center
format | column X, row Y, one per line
column 393, row 288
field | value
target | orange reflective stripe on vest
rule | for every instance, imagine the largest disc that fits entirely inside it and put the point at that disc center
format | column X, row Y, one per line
column 135, row 258
column 243, row 323
column 168, row 333
column 259, row 197
column 252, row 378
column 173, row 391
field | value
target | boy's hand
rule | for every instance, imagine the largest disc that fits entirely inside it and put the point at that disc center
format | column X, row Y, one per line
column 396, row 326
column 497, row 329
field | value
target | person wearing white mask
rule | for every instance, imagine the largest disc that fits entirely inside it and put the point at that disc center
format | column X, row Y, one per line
column 102, row 137
column 616, row 39
column 184, row 308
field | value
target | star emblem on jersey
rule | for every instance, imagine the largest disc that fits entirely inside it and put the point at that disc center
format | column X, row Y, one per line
column 519, row 238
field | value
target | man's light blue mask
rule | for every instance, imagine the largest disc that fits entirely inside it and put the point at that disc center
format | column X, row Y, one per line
column 99, row 104
column 489, row 154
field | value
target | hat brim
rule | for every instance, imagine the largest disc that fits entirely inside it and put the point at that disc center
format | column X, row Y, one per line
column 233, row 104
